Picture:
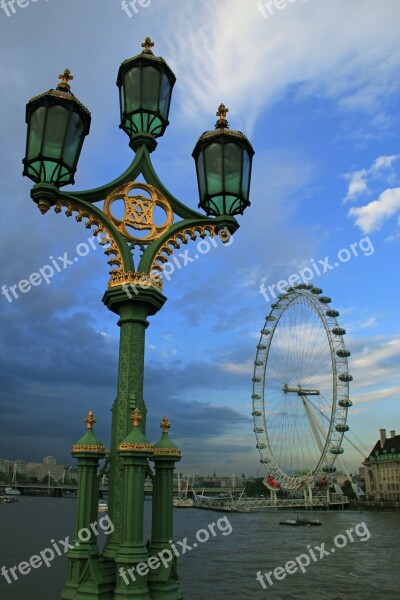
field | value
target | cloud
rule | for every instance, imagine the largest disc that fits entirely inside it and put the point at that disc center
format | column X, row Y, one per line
column 372, row 216
column 382, row 168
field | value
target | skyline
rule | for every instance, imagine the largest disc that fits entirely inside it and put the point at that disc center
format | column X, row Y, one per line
column 314, row 89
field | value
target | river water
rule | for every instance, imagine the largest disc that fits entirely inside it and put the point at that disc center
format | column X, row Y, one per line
column 225, row 566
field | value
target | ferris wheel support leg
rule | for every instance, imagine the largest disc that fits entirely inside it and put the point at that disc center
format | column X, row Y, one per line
column 313, row 423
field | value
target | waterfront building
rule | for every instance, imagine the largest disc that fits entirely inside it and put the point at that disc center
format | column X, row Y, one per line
column 382, row 469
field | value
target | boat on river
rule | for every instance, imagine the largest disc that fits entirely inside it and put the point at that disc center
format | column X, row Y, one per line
column 300, row 522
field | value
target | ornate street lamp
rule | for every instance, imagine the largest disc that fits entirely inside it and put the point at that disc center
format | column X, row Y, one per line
column 145, row 88
column 57, row 124
column 223, row 163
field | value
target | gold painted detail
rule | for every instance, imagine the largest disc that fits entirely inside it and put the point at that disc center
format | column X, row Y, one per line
column 135, row 280
column 170, row 451
column 175, row 242
column 102, row 232
column 165, row 425
column 88, row 448
column 124, row 446
column 65, row 77
column 147, row 45
column 90, row 420
column 136, row 417
column 138, row 213
column 221, row 113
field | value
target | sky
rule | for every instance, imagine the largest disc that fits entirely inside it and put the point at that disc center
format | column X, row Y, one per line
column 314, row 86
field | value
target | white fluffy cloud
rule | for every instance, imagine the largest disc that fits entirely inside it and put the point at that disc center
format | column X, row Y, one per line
column 372, row 216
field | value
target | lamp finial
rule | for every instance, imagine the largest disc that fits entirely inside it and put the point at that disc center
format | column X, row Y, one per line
column 65, row 78
column 221, row 113
column 147, row 45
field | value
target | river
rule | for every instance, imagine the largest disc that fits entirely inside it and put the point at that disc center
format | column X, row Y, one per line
column 225, row 566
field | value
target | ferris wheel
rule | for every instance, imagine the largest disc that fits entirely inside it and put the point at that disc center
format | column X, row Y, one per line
column 300, row 390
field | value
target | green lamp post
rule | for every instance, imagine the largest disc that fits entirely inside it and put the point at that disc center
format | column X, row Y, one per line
column 138, row 241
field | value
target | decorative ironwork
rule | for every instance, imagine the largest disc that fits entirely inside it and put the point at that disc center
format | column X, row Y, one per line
column 170, row 451
column 111, row 247
column 134, row 279
column 139, row 212
column 90, row 420
column 176, row 241
column 88, row 448
column 147, row 45
column 65, row 78
column 165, row 425
column 221, row 113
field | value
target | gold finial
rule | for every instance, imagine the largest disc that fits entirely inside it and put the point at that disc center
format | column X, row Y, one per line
column 165, row 425
column 221, row 113
column 136, row 418
column 147, row 45
column 65, row 78
column 90, row 420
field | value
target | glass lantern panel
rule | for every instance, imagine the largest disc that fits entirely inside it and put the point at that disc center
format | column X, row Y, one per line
column 165, row 95
column 122, row 99
column 232, row 167
column 201, row 175
column 73, row 141
column 36, row 126
column 131, row 86
column 246, row 174
column 56, row 126
column 151, row 86
column 214, row 170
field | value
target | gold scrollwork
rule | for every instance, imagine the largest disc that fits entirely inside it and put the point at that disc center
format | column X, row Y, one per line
column 102, row 232
column 134, row 279
column 139, row 212
column 176, row 241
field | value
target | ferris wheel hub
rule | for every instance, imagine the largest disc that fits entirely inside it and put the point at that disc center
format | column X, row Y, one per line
column 297, row 389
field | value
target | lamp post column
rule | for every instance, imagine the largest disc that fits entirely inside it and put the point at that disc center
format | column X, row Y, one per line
column 133, row 313
column 163, row 580
column 131, row 581
column 80, row 581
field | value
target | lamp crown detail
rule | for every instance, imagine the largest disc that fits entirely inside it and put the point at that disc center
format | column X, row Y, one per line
column 136, row 417
column 165, row 425
column 221, row 113
column 65, row 78
column 90, row 420
column 147, row 45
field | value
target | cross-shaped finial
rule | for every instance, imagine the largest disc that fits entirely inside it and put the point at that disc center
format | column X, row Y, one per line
column 221, row 113
column 147, row 45
column 90, row 420
column 165, row 425
column 136, row 418
column 222, row 110
column 65, row 78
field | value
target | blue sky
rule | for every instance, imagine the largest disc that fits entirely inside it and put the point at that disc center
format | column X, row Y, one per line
column 315, row 88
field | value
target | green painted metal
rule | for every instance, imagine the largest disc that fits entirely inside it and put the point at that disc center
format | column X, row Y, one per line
column 89, row 575
column 133, row 322
column 132, row 555
column 163, row 581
